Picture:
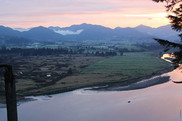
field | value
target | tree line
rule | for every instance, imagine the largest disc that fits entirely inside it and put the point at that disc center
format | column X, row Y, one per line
column 51, row 51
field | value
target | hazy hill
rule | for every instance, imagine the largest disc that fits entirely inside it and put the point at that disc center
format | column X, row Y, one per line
column 96, row 32
column 163, row 32
column 89, row 32
column 6, row 31
column 38, row 33
column 131, row 34
column 10, row 36
column 42, row 33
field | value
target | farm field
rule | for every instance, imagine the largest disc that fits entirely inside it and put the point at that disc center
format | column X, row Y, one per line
column 131, row 64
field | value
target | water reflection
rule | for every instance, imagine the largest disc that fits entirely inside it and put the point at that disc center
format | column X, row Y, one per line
column 156, row 103
column 168, row 57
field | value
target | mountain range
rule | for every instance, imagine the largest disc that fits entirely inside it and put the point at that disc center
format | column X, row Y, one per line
column 87, row 32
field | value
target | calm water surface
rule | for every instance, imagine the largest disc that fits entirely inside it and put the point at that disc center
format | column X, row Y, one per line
column 157, row 103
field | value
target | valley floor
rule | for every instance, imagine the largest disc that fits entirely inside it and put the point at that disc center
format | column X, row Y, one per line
column 41, row 75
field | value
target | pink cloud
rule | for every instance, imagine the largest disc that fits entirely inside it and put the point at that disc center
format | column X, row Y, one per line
column 77, row 11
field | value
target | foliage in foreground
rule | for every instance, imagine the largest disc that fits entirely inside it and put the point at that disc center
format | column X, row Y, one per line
column 174, row 9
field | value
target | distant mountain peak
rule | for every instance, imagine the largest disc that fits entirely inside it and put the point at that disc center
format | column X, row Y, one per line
column 85, row 24
column 39, row 28
column 54, row 26
column 165, row 27
column 117, row 28
column 4, row 27
column 142, row 26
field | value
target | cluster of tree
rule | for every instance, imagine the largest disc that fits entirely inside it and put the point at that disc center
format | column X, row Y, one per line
column 174, row 9
column 121, row 50
column 151, row 46
column 110, row 53
column 34, row 51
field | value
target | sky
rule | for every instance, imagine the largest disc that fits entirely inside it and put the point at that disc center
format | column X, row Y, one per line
column 63, row 13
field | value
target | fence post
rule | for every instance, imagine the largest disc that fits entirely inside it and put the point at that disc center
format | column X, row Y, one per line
column 10, row 91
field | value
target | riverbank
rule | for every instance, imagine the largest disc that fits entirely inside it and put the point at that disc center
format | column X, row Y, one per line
column 114, row 71
column 137, row 83
column 133, row 84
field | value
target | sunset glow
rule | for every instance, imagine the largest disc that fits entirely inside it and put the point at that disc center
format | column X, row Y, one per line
column 23, row 13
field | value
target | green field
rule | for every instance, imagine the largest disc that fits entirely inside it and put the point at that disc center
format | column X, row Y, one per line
column 130, row 65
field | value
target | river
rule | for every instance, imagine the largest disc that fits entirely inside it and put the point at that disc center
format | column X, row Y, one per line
column 161, row 102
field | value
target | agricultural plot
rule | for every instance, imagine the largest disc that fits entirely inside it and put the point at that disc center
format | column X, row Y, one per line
column 130, row 65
